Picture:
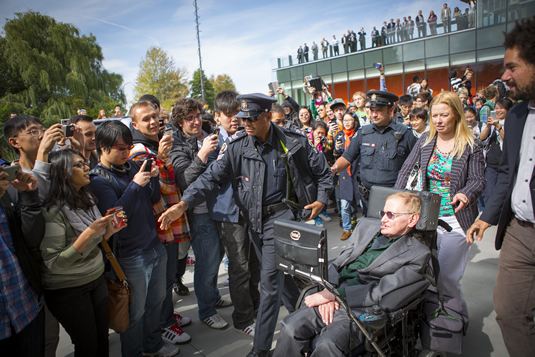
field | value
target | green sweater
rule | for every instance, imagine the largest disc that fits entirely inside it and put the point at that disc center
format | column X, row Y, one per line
column 349, row 273
column 63, row 266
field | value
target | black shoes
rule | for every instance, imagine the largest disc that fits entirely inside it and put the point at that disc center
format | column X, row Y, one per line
column 180, row 289
column 260, row 353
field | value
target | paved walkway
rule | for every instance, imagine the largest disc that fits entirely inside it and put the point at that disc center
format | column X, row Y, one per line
column 483, row 338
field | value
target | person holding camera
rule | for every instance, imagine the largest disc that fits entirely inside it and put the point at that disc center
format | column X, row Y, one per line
column 73, row 272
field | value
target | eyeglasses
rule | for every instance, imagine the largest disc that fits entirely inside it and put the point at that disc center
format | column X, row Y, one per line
column 192, row 117
column 392, row 215
column 124, row 148
column 81, row 164
column 34, row 132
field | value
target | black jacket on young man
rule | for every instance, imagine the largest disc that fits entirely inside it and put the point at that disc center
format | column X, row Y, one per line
column 240, row 162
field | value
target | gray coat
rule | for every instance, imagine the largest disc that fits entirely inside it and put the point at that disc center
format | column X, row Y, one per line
column 401, row 264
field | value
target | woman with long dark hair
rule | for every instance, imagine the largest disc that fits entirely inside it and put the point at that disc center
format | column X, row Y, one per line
column 305, row 116
column 73, row 274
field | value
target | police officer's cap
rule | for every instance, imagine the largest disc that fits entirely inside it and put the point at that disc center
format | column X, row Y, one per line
column 337, row 102
column 254, row 104
column 381, row 99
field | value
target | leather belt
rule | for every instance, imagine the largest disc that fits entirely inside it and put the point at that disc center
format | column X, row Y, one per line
column 524, row 223
column 270, row 209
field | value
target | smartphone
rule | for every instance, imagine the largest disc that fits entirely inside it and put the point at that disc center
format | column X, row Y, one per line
column 68, row 130
column 12, row 172
column 148, row 165
column 118, row 216
column 377, row 65
column 493, row 114
column 65, row 121
column 168, row 131
column 216, row 131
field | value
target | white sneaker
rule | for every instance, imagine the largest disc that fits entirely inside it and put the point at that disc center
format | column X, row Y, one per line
column 181, row 320
column 223, row 302
column 216, row 322
column 166, row 351
column 311, row 221
column 247, row 331
column 325, row 217
column 175, row 335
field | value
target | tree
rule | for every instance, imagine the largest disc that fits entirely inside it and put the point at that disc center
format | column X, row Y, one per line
column 158, row 76
column 48, row 70
column 222, row 82
column 195, row 91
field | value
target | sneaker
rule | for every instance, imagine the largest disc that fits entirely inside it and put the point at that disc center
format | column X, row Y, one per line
column 181, row 320
column 223, row 302
column 190, row 261
column 175, row 335
column 247, row 331
column 226, row 282
column 216, row 322
column 310, row 221
column 318, row 222
column 325, row 217
column 180, row 289
column 167, row 350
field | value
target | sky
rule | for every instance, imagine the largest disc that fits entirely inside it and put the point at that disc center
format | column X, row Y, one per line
column 241, row 38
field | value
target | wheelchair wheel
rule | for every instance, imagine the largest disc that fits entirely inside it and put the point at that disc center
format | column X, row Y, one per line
column 428, row 353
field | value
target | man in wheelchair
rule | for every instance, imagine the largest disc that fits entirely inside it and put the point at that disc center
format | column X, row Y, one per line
column 380, row 257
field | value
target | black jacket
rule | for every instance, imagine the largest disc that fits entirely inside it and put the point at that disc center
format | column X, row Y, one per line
column 242, row 164
column 187, row 165
column 27, row 226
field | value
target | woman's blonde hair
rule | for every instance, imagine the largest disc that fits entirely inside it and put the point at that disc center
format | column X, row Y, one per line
column 463, row 136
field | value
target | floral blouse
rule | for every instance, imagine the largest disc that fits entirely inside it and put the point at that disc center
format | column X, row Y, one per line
column 438, row 176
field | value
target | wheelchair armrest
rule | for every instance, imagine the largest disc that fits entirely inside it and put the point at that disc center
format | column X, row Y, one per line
column 403, row 296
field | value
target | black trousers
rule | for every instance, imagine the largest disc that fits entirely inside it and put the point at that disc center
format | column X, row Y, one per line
column 243, row 271
column 30, row 342
column 274, row 285
column 84, row 313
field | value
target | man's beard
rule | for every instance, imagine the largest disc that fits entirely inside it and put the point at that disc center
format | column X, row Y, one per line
column 527, row 93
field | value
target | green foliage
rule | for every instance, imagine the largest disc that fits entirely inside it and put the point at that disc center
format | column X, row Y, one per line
column 222, row 82
column 158, row 76
column 195, row 91
column 48, row 70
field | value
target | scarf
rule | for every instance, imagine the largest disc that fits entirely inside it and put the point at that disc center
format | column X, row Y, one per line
column 349, row 134
column 142, row 139
column 81, row 219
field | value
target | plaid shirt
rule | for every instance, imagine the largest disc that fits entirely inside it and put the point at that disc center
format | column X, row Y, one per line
column 179, row 229
column 19, row 304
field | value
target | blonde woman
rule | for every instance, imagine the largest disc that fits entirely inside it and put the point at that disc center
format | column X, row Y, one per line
column 451, row 165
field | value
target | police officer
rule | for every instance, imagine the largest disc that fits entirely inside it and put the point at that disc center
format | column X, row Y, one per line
column 382, row 146
column 266, row 165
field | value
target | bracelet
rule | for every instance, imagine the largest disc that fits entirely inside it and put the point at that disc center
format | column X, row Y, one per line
column 382, row 74
column 501, row 127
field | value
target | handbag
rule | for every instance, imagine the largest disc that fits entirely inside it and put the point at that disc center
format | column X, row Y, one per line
column 119, row 294
column 415, row 181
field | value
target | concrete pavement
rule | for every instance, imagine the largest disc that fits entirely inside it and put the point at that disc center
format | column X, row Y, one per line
column 483, row 338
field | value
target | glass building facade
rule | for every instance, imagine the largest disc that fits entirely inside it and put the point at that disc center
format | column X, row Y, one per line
column 480, row 48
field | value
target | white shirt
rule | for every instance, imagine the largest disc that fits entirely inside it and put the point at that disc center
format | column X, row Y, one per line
column 521, row 198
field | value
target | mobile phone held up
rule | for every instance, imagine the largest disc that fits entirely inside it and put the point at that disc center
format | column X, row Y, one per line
column 216, row 131
column 119, row 216
column 148, row 166
column 68, row 130
column 377, row 65
column 12, row 172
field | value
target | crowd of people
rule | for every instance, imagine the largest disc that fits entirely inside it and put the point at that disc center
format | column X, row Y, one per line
column 395, row 31
column 217, row 183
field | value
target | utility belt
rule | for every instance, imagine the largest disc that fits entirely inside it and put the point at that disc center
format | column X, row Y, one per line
column 364, row 192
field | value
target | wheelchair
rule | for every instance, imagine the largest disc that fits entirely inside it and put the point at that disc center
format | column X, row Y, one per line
column 392, row 326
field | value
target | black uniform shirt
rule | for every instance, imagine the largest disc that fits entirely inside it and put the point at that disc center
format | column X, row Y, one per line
column 275, row 175
column 381, row 155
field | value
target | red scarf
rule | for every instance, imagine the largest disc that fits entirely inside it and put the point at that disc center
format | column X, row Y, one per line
column 348, row 134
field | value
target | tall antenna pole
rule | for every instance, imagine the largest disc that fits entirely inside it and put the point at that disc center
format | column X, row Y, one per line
column 199, row 47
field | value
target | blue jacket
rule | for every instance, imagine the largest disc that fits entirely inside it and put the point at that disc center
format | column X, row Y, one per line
column 140, row 235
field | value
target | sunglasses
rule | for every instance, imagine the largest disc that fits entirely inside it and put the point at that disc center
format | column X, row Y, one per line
column 124, row 148
column 391, row 215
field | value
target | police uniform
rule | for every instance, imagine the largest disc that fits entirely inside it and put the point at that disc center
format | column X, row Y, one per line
column 260, row 180
column 382, row 150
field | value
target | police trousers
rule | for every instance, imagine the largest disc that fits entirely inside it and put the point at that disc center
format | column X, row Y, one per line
column 274, row 285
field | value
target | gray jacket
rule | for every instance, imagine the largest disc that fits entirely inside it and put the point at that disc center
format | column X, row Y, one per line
column 242, row 164
column 401, row 264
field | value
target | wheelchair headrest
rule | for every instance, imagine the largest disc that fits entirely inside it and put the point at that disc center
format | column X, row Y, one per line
column 430, row 206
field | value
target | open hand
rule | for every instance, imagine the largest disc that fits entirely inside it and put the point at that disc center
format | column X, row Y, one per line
column 172, row 214
column 478, row 228
column 461, row 199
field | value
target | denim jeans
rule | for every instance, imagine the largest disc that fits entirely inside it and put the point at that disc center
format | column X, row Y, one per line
column 84, row 313
column 146, row 273
column 345, row 212
column 209, row 252
column 168, row 308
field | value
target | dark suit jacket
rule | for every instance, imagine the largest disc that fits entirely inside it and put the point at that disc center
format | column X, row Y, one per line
column 467, row 175
column 498, row 208
column 401, row 264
